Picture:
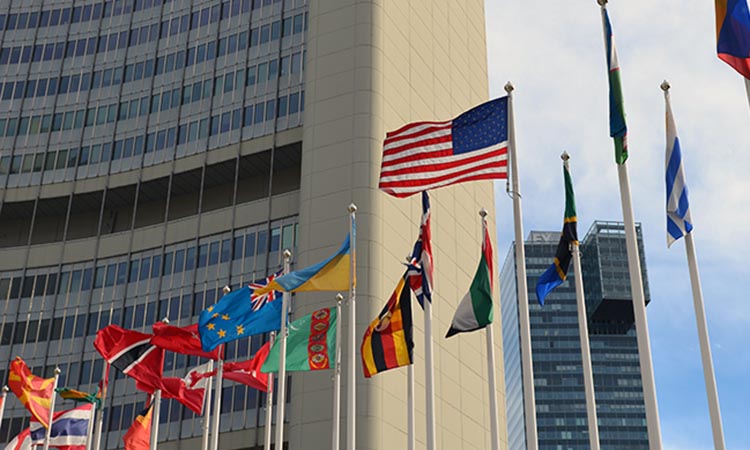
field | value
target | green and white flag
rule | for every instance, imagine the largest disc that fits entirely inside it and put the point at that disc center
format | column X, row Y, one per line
column 475, row 310
column 310, row 344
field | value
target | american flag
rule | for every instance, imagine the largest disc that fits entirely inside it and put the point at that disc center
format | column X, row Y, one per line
column 419, row 267
column 428, row 155
column 259, row 300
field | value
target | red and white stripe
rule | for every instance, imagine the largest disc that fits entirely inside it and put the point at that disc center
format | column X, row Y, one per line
column 419, row 156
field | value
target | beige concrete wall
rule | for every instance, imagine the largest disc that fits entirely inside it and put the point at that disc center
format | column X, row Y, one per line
column 373, row 65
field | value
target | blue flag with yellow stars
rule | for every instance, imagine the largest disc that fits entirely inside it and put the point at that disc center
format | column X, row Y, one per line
column 239, row 315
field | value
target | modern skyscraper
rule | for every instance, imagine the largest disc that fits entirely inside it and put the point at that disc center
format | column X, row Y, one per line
column 558, row 377
column 153, row 151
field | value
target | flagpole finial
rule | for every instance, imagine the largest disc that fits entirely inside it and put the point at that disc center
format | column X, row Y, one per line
column 509, row 87
column 601, row 2
column 352, row 208
column 226, row 290
column 287, row 253
column 166, row 319
column 339, row 298
column 57, row 370
column 565, row 156
column 483, row 212
column 5, row 389
column 665, row 85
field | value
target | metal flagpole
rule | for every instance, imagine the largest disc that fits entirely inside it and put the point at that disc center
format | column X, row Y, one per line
column 527, row 366
column 281, row 388
column 2, row 402
column 48, row 434
column 583, row 332
column 336, row 435
column 490, row 333
column 269, row 403
column 155, row 419
column 217, row 402
column 747, row 88
column 639, row 302
column 700, row 318
column 351, row 384
column 411, row 438
column 98, row 429
column 429, row 375
column 90, row 428
column 207, row 409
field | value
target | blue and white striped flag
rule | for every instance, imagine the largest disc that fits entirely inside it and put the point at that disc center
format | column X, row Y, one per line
column 679, row 222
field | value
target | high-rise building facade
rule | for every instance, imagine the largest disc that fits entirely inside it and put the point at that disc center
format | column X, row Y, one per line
column 558, row 376
column 154, row 151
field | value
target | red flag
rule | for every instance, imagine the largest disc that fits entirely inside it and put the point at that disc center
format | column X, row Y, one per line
column 34, row 392
column 245, row 372
column 190, row 390
column 185, row 340
column 133, row 354
column 138, row 436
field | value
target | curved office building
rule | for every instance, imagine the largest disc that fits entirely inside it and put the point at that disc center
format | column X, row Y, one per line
column 154, row 151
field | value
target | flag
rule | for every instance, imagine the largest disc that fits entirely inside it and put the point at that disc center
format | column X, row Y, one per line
column 331, row 274
column 138, row 436
column 133, row 354
column 79, row 396
column 236, row 316
column 428, row 155
column 419, row 267
column 558, row 271
column 20, row 442
column 69, row 430
column 475, row 310
column 249, row 372
column 35, row 393
column 733, row 34
column 618, row 129
column 311, row 344
column 679, row 222
column 190, row 390
column 244, row 372
column 388, row 341
column 185, row 340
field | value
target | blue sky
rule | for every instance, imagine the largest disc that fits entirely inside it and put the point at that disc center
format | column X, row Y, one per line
column 553, row 52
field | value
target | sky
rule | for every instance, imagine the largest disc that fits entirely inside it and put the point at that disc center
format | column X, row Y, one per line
column 553, row 52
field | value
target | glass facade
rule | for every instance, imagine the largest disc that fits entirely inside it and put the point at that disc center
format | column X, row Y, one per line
column 558, row 377
column 150, row 154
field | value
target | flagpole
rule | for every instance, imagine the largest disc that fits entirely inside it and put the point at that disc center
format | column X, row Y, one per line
column 351, row 392
column 527, row 365
column 207, row 410
column 269, row 403
column 100, row 410
column 747, row 88
column 217, row 395
column 639, row 302
column 48, row 434
column 489, row 332
column 155, row 420
column 336, row 435
column 90, row 428
column 583, row 332
column 281, row 388
column 2, row 402
column 700, row 318
column 411, row 438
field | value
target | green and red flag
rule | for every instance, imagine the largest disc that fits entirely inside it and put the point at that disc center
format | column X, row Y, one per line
column 311, row 344
column 618, row 129
column 475, row 310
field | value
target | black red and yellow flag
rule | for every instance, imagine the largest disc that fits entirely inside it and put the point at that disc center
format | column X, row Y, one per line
column 388, row 341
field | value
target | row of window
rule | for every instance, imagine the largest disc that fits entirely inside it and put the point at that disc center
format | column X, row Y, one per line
column 147, row 267
column 140, row 70
column 135, row 146
column 62, row 16
column 123, row 39
column 290, row 64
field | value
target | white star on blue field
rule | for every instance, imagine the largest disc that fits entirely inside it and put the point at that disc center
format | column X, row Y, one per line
column 553, row 52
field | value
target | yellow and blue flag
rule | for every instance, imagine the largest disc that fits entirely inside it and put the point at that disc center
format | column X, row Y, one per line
column 331, row 274
column 558, row 271
column 240, row 314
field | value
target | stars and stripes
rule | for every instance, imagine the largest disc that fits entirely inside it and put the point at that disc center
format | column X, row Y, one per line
column 679, row 222
column 428, row 155
column 258, row 300
column 419, row 268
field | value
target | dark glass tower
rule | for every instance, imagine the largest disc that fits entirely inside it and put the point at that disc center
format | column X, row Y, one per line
column 558, row 377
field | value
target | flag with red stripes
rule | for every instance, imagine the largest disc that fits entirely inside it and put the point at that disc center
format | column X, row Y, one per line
column 428, row 155
column 419, row 268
